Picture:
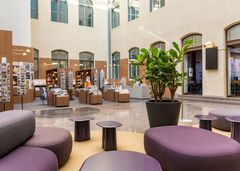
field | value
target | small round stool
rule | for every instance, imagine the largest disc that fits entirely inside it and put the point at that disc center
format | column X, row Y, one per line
column 235, row 127
column 109, row 135
column 82, row 128
column 205, row 121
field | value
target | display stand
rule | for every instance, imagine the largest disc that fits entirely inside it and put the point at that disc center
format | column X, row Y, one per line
column 102, row 80
column 5, row 82
column 62, row 80
column 70, row 84
column 21, row 83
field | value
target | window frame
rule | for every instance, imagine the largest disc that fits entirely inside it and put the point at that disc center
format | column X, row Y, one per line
column 58, row 12
column 33, row 10
column 130, row 66
column 86, row 61
column 36, row 58
column 136, row 11
column 114, row 61
column 193, row 46
column 115, row 10
column 161, row 5
column 85, row 17
column 58, row 60
column 159, row 42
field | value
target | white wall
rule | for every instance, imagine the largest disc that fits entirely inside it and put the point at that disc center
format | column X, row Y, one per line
column 175, row 20
column 48, row 35
column 15, row 16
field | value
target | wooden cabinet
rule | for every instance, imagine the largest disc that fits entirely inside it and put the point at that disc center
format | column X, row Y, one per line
column 83, row 96
column 109, row 95
column 80, row 78
column 56, row 78
column 95, row 99
column 61, row 101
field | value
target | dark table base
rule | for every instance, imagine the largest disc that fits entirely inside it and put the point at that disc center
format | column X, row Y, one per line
column 109, row 139
column 82, row 131
column 235, row 131
column 205, row 124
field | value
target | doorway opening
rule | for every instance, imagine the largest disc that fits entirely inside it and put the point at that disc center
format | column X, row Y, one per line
column 193, row 68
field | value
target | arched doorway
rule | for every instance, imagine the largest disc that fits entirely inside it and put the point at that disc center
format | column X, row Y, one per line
column 233, row 58
column 193, row 65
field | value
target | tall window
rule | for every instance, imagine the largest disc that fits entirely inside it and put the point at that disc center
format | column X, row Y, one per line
column 116, row 65
column 36, row 63
column 196, row 39
column 133, row 70
column 86, row 60
column 60, row 58
column 86, row 13
column 156, row 4
column 115, row 13
column 59, row 11
column 133, row 9
column 159, row 45
column 34, row 9
column 233, row 56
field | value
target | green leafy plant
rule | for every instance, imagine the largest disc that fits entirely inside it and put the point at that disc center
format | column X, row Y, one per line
column 161, row 68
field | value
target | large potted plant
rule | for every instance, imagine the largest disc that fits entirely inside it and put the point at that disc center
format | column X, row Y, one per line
column 161, row 72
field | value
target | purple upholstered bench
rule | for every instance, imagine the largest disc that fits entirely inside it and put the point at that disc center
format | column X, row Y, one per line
column 29, row 159
column 221, row 123
column 17, row 127
column 192, row 149
column 57, row 140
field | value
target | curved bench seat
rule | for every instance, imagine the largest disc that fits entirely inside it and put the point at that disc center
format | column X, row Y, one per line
column 58, row 140
column 29, row 159
column 180, row 148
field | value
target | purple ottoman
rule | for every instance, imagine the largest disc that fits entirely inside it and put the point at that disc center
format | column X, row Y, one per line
column 29, row 159
column 192, row 149
column 221, row 123
column 58, row 140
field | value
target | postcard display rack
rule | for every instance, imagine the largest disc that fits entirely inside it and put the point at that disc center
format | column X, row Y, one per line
column 70, row 84
column 21, row 82
column 63, row 80
column 5, row 88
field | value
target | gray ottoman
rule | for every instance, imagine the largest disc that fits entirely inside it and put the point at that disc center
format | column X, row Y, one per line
column 29, row 159
column 58, row 140
column 221, row 123
column 192, row 149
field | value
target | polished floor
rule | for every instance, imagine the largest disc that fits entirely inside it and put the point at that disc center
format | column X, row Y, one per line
column 132, row 115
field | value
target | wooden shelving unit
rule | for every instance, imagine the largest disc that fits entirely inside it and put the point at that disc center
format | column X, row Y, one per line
column 80, row 78
column 53, row 77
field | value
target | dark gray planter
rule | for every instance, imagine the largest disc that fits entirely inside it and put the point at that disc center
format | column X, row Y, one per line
column 163, row 113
